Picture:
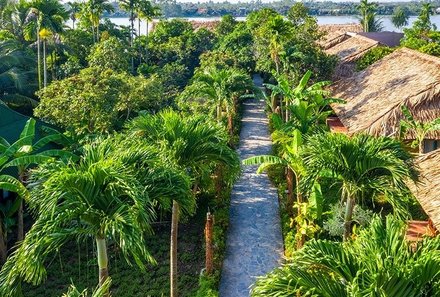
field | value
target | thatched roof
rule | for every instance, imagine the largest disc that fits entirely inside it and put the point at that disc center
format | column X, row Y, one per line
column 209, row 25
column 335, row 34
column 427, row 189
column 353, row 48
column 375, row 95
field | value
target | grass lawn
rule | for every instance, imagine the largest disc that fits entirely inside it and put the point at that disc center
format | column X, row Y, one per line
column 74, row 265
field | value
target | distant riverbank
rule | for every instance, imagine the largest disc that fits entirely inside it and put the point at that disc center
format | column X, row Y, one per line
column 322, row 20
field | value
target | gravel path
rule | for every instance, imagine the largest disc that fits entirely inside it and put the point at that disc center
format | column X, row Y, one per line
column 254, row 244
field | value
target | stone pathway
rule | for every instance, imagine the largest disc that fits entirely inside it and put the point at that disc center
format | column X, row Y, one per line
column 254, row 244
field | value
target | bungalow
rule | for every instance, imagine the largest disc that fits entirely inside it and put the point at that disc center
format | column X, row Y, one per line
column 426, row 191
column 356, row 46
column 334, row 34
column 375, row 95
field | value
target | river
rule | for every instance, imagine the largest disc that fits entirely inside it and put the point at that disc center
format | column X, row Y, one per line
column 322, row 20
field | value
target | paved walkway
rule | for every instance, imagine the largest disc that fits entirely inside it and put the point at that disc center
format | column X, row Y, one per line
column 254, row 244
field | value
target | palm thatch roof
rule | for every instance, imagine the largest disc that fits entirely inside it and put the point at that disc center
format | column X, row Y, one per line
column 353, row 48
column 348, row 52
column 375, row 95
column 334, row 34
column 209, row 25
column 427, row 189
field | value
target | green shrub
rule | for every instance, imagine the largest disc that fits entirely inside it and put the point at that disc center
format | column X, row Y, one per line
column 372, row 56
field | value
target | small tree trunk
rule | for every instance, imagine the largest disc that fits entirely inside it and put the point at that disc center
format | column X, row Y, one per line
column 20, row 221
column 208, row 242
column 101, row 253
column 230, row 125
column 299, row 200
column 219, row 181
column 3, row 244
column 39, row 59
column 44, row 63
column 132, row 39
column 173, row 249
column 219, row 112
column 274, row 103
column 348, row 218
column 421, row 147
column 290, row 194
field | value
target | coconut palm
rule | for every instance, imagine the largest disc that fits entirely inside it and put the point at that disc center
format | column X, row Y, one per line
column 25, row 152
column 418, row 129
column 108, row 196
column 365, row 165
column 221, row 88
column 379, row 262
column 196, row 145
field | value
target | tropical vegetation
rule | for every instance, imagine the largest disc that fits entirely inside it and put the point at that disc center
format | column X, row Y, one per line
column 130, row 137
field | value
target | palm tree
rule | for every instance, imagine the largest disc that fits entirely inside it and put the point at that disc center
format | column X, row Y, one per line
column 24, row 153
column 379, row 262
column 221, row 88
column 196, row 145
column 147, row 11
column 17, row 81
column 423, row 22
column 108, row 196
column 400, row 17
column 130, row 7
column 368, row 16
column 93, row 10
column 418, row 129
column 74, row 9
column 366, row 166
column 47, row 15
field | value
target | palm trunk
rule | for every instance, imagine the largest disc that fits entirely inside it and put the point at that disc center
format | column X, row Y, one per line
column 173, row 249
column 20, row 221
column 44, row 63
column 421, row 147
column 209, row 254
column 101, row 254
column 147, row 28
column 3, row 244
column 73, row 24
column 219, row 112
column 97, row 33
column 139, row 34
column 230, row 122
column 348, row 217
column 132, row 38
column 299, row 201
column 39, row 59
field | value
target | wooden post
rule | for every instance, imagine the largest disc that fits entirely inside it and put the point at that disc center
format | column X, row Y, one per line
column 208, row 242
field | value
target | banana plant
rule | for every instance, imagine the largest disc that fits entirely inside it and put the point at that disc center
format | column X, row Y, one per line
column 24, row 153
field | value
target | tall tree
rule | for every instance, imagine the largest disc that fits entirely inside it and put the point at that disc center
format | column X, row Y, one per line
column 365, row 165
column 74, row 9
column 47, row 15
column 196, row 145
column 92, row 10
